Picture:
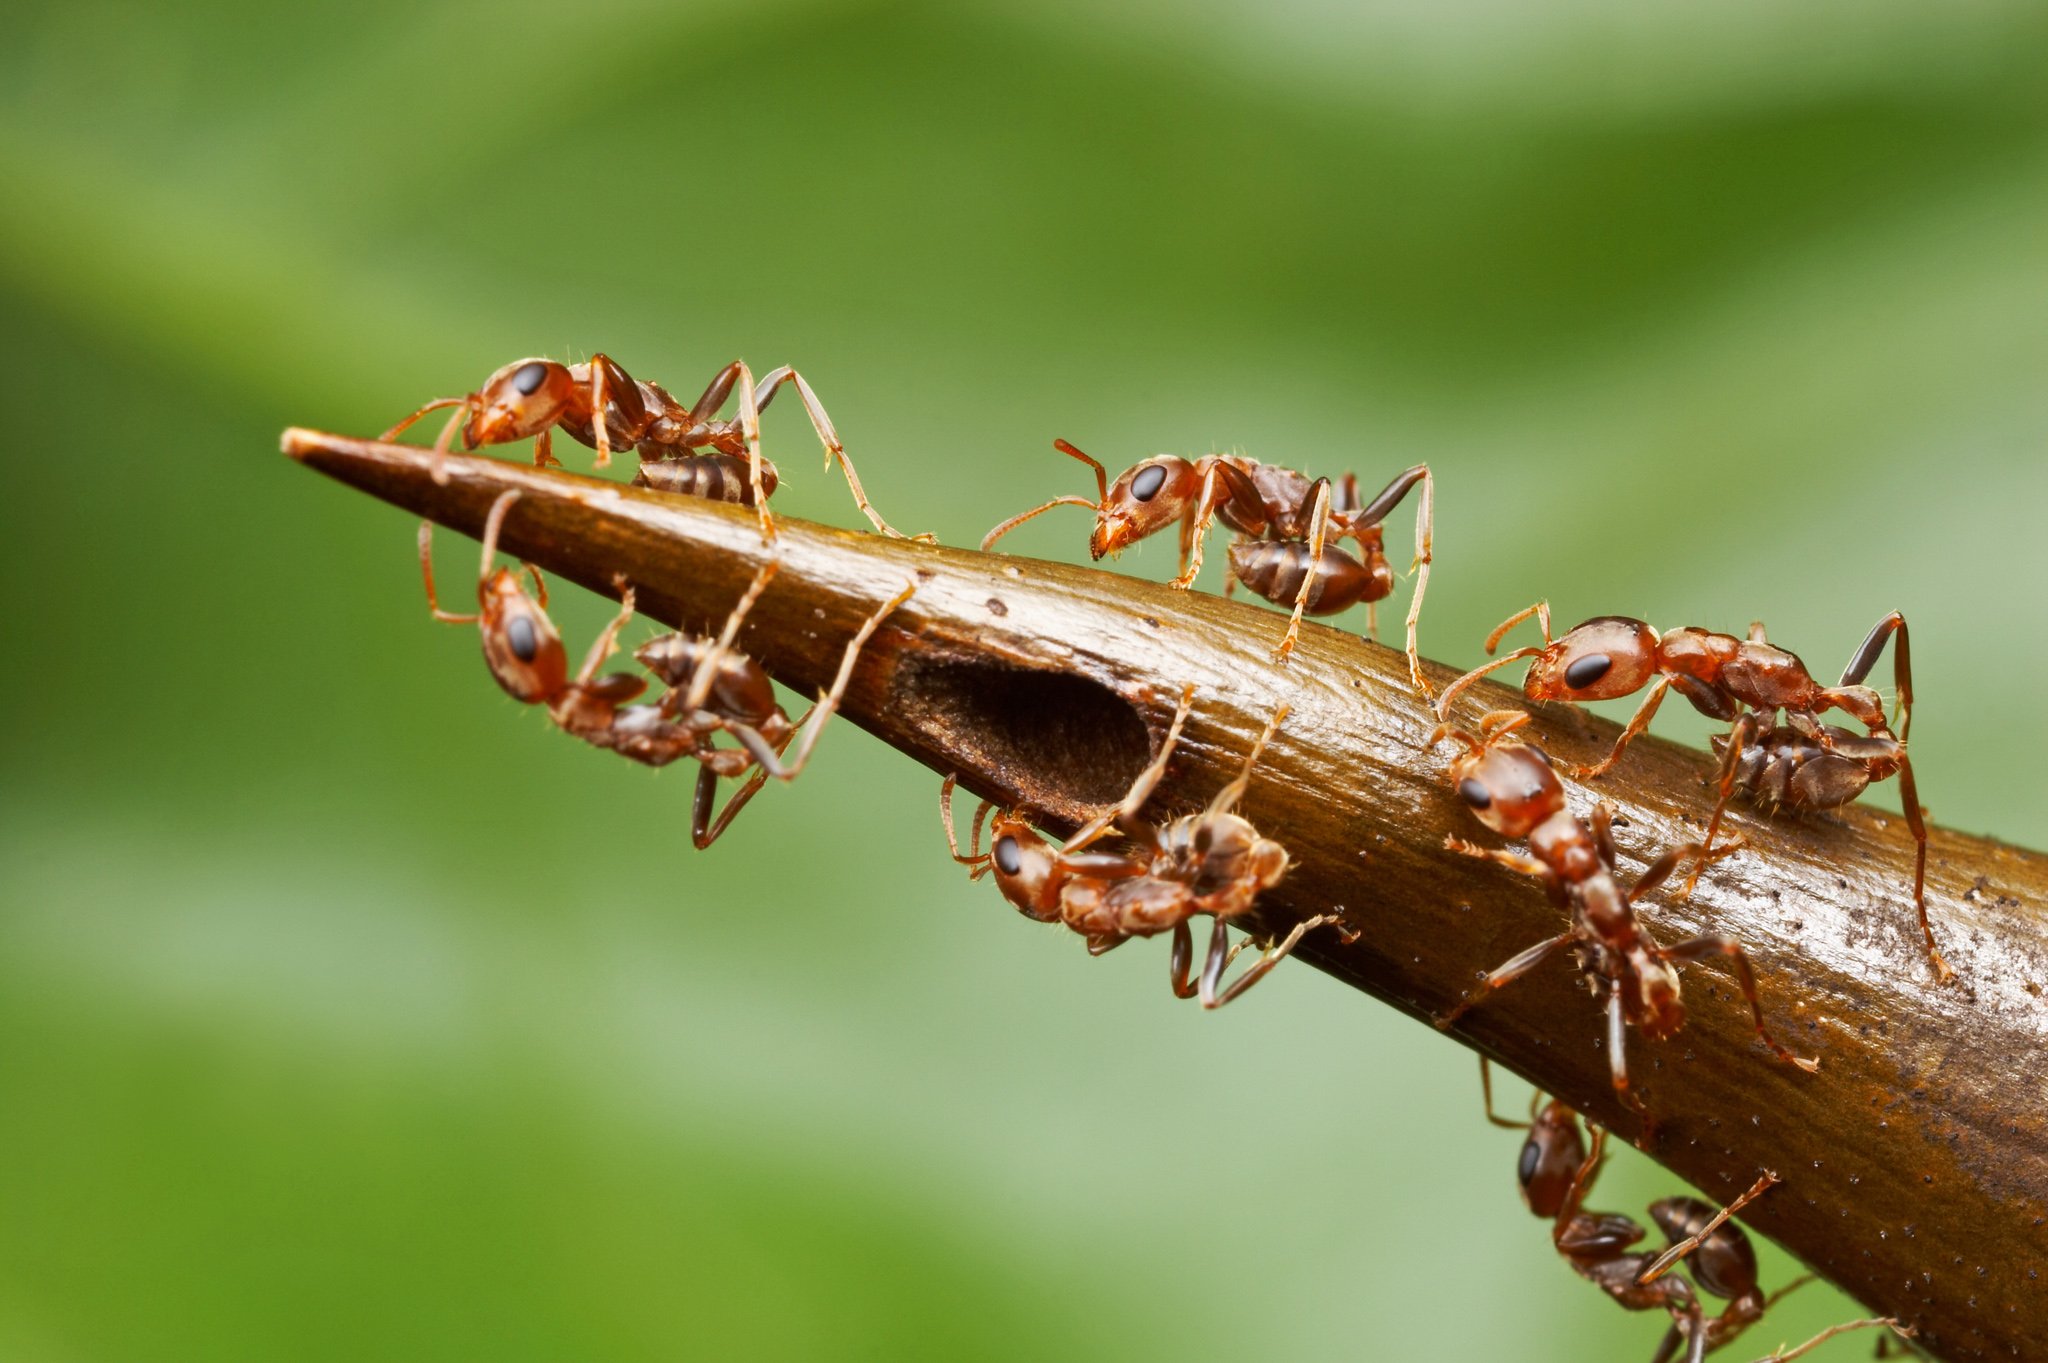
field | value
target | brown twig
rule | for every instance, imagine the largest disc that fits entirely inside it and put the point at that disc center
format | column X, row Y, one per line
column 1915, row 1162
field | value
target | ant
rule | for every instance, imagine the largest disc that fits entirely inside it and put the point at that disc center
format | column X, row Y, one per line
column 713, row 690
column 1746, row 681
column 1290, row 531
column 684, row 450
column 1511, row 788
column 1214, row 862
column 1557, row 1170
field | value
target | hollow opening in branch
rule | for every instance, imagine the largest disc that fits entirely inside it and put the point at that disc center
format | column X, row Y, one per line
column 1068, row 744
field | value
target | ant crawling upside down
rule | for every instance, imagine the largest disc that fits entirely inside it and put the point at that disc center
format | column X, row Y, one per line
column 1556, row 1171
column 713, row 689
column 1214, row 862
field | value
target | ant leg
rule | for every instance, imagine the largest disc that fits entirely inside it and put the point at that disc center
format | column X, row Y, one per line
column 1205, row 512
column 1740, row 736
column 1716, row 944
column 1603, row 834
column 702, row 835
column 1866, row 656
column 1514, row 861
column 427, row 572
column 1486, row 1093
column 1916, row 820
column 975, row 856
column 1425, row 526
column 829, row 702
column 1513, row 969
column 607, row 642
column 1784, row 1355
column 1659, row 871
column 1582, row 1182
column 715, row 394
column 1268, row 958
column 1319, row 519
column 828, row 435
column 988, row 540
column 1664, row 1262
column 1142, row 788
column 1227, row 798
column 1180, row 961
column 706, row 675
column 1636, row 724
column 1617, row 1056
column 750, row 430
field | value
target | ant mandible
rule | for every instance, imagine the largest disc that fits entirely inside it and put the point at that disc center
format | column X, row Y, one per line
column 1556, row 1171
column 1511, row 788
column 684, row 450
column 713, row 689
column 1746, row 681
column 1214, row 862
column 1291, row 531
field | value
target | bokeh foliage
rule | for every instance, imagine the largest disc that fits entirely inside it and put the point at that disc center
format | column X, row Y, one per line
column 346, row 1012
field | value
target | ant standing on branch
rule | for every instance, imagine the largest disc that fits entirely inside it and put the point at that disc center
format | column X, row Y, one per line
column 689, row 451
column 1803, row 764
column 1290, row 532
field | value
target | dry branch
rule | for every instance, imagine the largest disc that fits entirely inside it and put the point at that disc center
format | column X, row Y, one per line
column 1916, row 1160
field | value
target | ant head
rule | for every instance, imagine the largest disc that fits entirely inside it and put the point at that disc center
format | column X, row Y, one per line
column 522, row 399
column 1650, row 995
column 1550, row 1159
column 1509, row 787
column 1025, row 866
column 520, row 644
column 1725, row 1262
column 1604, row 658
column 1145, row 500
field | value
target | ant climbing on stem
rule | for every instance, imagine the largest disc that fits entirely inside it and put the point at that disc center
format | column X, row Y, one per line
column 689, row 451
column 1510, row 787
column 1214, row 862
column 712, row 689
column 1290, row 530
column 1556, row 1170
column 1746, row 682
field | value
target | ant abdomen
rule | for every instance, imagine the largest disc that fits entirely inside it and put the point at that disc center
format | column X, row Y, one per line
column 714, row 477
column 1275, row 570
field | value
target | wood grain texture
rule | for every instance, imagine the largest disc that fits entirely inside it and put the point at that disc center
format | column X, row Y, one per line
column 1915, row 1162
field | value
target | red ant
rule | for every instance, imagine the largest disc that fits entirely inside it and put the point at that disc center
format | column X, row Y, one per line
column 1214, row 862
column 713, row 690
column 684, row 450
column 1511, row 788
column 1747, row 681
column 1557, row 1170
column 1291, row 531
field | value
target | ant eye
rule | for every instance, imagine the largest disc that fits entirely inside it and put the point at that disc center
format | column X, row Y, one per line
column 520, row 634
column 1474, row 793
column 1008, row 860
column 1148, row 482
column 1587, row 670
column 528, row 377
column 1526, row 1170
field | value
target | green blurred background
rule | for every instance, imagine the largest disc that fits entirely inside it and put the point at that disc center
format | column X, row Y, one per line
column 348, row 1012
